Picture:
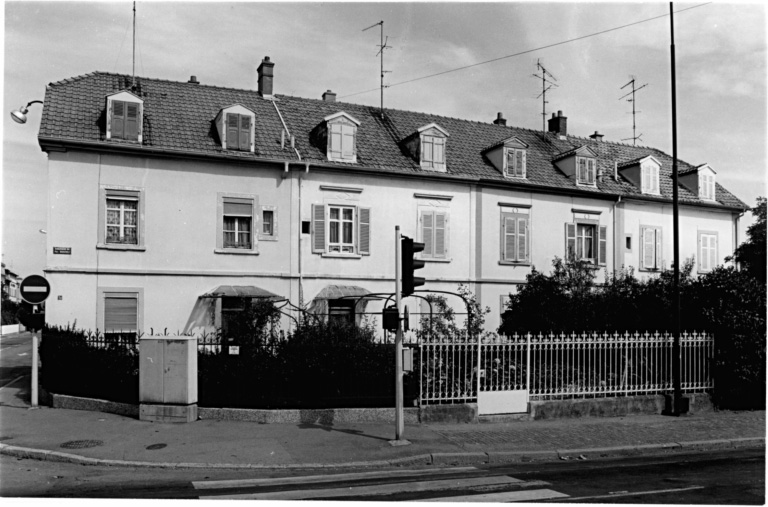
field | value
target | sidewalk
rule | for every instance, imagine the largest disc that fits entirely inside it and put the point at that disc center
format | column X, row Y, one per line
column 99, row 438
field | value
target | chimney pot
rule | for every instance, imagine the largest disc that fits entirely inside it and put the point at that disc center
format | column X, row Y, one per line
column 193, row 80
column 558, row 124
column 559, row 113
column 597, row 136
column 266, row 75
column 500, row 120
column 329, row 96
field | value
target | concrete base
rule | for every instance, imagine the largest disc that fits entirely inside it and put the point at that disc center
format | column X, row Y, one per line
column 398, row 443
column 168, row 413
column 453, row 413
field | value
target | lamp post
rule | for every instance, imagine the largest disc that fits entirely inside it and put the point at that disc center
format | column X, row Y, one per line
column 20, row 115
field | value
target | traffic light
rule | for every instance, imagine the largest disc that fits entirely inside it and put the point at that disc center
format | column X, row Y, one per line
column 409, row 264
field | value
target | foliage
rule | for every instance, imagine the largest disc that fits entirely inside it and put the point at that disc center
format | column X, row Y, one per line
column 10, row 310
column 751, row 255
column 441, row 324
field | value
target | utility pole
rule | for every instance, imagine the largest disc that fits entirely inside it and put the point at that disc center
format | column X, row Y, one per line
column 546, row 85
column 382, row 47
column 634, row 137
column 133, row 74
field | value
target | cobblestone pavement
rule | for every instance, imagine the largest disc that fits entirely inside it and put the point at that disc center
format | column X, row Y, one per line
column 607, row 432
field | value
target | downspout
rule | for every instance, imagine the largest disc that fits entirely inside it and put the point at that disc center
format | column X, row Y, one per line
column 616, row 240
column 736, row 219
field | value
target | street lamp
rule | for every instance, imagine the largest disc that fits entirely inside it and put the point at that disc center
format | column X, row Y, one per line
column 20, row 114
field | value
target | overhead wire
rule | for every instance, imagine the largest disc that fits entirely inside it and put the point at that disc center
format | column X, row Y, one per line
column 523, row 52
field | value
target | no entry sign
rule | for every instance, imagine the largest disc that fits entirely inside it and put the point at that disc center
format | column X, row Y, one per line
column 34, row 289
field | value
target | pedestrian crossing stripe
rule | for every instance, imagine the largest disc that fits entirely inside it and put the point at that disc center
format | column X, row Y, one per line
column 530, row 495
column 376, row 489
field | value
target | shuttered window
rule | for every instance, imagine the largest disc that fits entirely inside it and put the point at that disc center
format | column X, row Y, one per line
column 515, row 237
column 339, row 229
column 650, row 253
column 515, row 163
column 707, row 186
column 650, row 179
column 432, row 152
column 708, row 258
column 341, row 142
column 121, row 313
column 238, row 132
column 238, row 221
column 434, row 234
column 585, row 170
column 587, row 242
column 125, row 120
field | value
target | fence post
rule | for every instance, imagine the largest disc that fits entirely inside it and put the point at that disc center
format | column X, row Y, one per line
column 528, row 367
column 479, row 351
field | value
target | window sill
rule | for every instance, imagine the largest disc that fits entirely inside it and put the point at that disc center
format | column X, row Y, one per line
column 115, row 246
column 344, row 160
column 514, row 263
column 429, row 259
column 235, row 251
column 341, row 255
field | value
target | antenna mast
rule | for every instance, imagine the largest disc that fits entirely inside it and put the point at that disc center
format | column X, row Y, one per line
column 546, row 85
column 382, row 47
column 133, row 80
column 634, row 137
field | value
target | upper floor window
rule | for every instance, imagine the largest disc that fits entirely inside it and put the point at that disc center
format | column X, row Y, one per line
column 515, row 236
column 585, row 171
column 124, row 117
column 432, row 152
column 342, row 229
column 340, row 137
column 235, row 125
column 236, row 223
column 433, row 225
column 707, row 186
column 121, row 218
column 707, row 251
column 514, row 165
column 650, row 254
column 649, row 179
column 586, row 241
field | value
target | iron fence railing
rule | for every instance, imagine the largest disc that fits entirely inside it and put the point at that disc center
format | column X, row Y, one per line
column 562, row 366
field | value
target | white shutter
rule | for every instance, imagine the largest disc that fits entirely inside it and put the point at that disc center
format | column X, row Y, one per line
column 427, row 231
column 441, row 236
column 712, row 252
column 649, row 248
column 335, row 135
column 658, row 249
column 347, row 142
column 522, row 239
column 426, row 151
column 438, row 155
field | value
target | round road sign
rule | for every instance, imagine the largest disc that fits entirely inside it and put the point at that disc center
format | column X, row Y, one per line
column 34, row 289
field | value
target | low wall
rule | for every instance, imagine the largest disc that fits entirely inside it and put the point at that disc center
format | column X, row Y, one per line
column 12, row 328
column 611, row 407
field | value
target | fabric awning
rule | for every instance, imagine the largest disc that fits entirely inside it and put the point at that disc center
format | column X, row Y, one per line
column 339, row 291
column 240, row 291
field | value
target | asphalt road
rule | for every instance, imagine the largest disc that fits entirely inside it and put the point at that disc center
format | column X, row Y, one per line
column 728, row 477
column 15, row 357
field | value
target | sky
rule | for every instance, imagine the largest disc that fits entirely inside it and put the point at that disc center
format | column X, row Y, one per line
column 591, row 49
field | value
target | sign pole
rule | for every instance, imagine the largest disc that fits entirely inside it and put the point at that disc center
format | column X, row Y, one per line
column 398, row 340
column 35, row 346
column 35, row 289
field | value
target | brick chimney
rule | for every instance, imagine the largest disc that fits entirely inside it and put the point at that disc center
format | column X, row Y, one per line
column 558, row 124
column 500, row 120
column 329, row 96
column 266, row 76
column 597, row 136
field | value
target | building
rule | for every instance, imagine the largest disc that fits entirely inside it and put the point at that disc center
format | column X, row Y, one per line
column 169, row 198
column 11, row 283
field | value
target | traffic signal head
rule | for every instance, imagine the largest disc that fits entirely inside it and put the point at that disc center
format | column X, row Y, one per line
column 409, row 264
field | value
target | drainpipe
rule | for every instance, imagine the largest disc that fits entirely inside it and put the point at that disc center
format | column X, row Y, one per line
column 616, row 240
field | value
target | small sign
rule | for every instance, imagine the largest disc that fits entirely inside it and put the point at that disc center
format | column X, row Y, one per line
column 62, row 250
column 234, row 350
column 34, row 289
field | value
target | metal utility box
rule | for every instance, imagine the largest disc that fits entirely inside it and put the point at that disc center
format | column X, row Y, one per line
column 168, row 378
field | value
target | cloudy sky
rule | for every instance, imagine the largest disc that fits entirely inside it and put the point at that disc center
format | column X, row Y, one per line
column 720, row 52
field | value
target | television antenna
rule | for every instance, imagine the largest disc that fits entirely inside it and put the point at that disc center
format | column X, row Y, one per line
column 382, row 47
column 546, row 85
column 634, row 137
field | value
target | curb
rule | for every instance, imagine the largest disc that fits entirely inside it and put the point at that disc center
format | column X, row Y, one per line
column 437, row 459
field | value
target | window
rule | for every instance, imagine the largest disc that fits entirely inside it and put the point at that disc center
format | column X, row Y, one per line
column 432, row 152
column 707, row 251
column 268, row 228
column 707, row 186
column 341, row 141
column 341, row 311
column 125, row 119
column 515, row 163
column 650, row 255
column 650, row 179
column 434, row 234
column 121, row 218
column 236, row 223
column 585, row 174
column 586, row 241
column 340, row 229
column 119, row 311
column 238, row 132
column 515, row 237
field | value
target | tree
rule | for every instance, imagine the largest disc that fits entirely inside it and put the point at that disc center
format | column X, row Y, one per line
column 751, row 254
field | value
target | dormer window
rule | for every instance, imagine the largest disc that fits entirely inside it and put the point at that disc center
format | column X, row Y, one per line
column 508, row 156
column 643, row 173
column 514, row 163
column 337, row 135
column 707, row 186
column 700, row 181
column 649, row 177
column 124, row 117
column 585, row 174
column 432, row 149
column 235, row 125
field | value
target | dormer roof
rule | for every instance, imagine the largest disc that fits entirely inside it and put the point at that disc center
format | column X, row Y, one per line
column 433, row 126
column 695, row 169
column 125, row 91
column 637, row 161
column 581, row 151
column 510, row 142
column 341, row 114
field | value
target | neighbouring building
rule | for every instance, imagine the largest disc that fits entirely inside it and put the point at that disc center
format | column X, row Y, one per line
column 170, row 199
column 11, row 283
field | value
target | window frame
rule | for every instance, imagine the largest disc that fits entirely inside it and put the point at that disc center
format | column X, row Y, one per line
column 647, row 181
column 518, row 215
column 515, row 152
column 344, row 124
column 707, row 187
column 432, row 256
column 591, row 170
column 272, row 236
column 221, row 198
column 321, row 229
column 239, row 138
column 110, row 131
column 124, row 193
column 709, row 266
column 119, row 292
column 599, row 241
column 432, row 163
column 340, row 222
column 658, row 252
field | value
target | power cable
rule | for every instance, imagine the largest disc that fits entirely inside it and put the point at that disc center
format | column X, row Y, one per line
column 524, row 52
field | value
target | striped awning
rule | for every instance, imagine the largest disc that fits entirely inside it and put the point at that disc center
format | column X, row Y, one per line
column 240, row 291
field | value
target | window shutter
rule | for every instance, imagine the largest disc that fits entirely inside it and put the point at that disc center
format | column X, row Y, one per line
column 318, row 228
column 334, row 140
column 120, row 314
column 233, row 137
column 655, row 179
column 426, row 151
column 649, row 246
column 602, row 250
column 441, row 236
column 118, row 119
column 510, row 226
column 438, row 154
column 347, row 142
column 236, row 206
column 658, row 249
column 522, row 163
column 591, row 171
column 427, row 228
column 245, row 132
column 712, row 252
column 364, row 231
column 522, row 239
column 570, row 241
column 132, row 121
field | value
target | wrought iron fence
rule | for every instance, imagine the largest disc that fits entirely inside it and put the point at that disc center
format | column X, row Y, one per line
column 562, row 366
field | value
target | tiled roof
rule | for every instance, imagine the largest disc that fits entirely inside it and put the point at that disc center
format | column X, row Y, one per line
column 179, row 116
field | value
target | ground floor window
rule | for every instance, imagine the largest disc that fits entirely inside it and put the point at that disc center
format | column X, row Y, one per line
column 341, row 311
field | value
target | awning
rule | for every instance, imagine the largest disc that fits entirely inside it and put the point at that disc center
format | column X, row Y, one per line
column 240, row 291
column 339, row 291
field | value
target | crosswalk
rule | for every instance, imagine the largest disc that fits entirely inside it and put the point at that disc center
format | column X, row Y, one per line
column 461, row 484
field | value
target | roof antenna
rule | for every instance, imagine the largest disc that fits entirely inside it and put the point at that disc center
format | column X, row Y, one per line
column 634, row 137
column 546, row 85
column 133, row 81
column 382, row 47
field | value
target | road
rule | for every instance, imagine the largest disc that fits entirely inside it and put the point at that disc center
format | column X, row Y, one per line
column 15, row 357
column 726, row 477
